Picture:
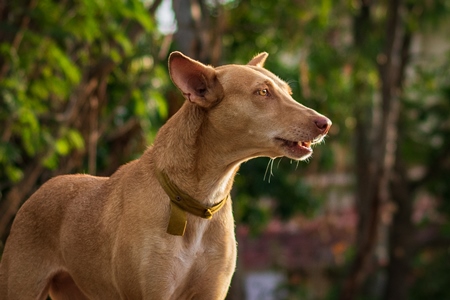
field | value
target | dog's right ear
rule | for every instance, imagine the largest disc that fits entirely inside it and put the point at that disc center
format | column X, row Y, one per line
column 196, row 81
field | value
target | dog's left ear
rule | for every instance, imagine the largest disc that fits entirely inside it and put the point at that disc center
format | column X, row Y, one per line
column 197, row 82
column 259, row 60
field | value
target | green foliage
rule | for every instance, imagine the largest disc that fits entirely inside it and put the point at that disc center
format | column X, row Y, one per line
column 49, row 67
column 266, row 189
column 425, row 125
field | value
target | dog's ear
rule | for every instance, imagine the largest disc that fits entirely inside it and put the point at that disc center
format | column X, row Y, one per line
column 196, row 81
column 259, row 60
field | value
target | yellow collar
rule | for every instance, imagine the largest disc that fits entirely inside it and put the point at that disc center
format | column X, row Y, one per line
column 180, row 203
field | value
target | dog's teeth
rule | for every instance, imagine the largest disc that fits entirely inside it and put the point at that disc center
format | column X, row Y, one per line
column 305, row 144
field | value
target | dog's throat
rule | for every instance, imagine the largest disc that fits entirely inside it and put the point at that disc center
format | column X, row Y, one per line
column 182, row 203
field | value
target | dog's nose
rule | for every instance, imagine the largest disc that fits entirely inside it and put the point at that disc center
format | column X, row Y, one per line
column 323, row 124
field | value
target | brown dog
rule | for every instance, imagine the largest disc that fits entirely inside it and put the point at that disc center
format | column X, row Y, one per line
column 161, row 227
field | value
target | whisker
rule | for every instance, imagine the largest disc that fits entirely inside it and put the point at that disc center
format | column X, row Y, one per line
column 271, row 168
column 271, row 160
column 278, row 165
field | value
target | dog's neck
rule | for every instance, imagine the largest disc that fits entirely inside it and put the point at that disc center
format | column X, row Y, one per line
column 193, row 157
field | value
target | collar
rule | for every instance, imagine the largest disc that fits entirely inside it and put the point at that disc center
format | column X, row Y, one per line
column 181, row 203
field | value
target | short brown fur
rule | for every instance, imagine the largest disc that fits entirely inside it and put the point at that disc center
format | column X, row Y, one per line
column 86, row 237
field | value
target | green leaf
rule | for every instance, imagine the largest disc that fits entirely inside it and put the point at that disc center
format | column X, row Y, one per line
column 69, row 69
column 14, row 174
column 28, row 127
column 136, row 10
column 62, row 146
column 51, row 161
column 39, row 90
column 75, row 139
column 140, row 107
column 124, row 42
column 161, row 104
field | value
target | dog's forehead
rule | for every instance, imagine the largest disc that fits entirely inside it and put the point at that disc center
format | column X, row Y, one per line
column 280, row 82
column 250, row 75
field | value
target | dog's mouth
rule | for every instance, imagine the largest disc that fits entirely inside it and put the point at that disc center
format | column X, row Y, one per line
column 292, row 144
column 297, row 149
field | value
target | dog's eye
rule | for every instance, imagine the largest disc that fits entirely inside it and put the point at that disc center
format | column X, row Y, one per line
column 264, row 92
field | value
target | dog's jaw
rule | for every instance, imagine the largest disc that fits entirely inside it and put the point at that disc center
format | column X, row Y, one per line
column 294, row 150
column 298, row 150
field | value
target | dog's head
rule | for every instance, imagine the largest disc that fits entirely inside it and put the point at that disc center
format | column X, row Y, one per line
column 249, row 103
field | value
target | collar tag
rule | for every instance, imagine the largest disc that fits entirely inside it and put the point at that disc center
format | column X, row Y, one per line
column 181, row 203
column 177, row 221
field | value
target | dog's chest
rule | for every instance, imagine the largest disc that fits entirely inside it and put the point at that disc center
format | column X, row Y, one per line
column 197, row 260
column 193, row 246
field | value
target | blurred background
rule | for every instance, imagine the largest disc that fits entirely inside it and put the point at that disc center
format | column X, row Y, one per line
column 84, row 88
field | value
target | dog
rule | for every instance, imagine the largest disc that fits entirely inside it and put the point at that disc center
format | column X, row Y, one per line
column 161, row 227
